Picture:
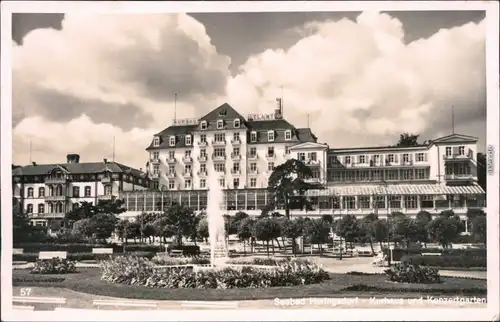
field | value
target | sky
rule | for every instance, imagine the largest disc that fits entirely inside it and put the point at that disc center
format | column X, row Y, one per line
column 362, row 77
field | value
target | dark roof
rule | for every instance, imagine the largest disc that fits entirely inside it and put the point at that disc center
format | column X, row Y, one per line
column 389, row 148
column 77, row 168
column 223, row 112
column 306, row 135
column 269, row 125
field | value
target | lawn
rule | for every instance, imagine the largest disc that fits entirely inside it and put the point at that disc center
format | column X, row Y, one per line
column 87, row 280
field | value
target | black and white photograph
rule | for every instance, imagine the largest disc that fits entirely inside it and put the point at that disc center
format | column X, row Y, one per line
column 213, row 159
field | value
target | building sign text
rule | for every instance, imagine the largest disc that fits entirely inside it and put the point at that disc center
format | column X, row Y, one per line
column 261, row 117
column 185, row 121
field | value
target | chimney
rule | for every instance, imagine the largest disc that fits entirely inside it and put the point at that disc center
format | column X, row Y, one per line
column 73, row 158
column 34, row 163
column 105, row 161
column 278, row 111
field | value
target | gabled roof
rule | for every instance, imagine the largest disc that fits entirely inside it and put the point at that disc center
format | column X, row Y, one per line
column 309, row 145
column 223, row 112
column 456, row 138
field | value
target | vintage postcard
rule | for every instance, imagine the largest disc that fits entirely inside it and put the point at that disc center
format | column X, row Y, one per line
column 250, row 160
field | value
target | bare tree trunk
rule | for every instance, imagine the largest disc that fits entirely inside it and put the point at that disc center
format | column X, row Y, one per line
column 371, row 245
column 267, row 242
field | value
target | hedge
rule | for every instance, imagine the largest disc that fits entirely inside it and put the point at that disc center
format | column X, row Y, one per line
column 399, row 253
column 33, row 257
column 87, row 248
column 143, row 248
column 187, row 250
column 446, row 261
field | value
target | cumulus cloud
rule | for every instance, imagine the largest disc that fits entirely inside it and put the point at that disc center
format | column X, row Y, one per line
column 361, row 84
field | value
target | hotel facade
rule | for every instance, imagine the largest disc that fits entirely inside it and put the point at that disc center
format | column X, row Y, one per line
column 46, row 192
column 437, row 176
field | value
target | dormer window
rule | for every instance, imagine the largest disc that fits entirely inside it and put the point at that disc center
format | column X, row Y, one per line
column 220, row 124
column 237, row 123
column 203, row 125
column 253, row 136
column 288, row 135
column 156, row 141
column 172, row 141
column 270, row 135
column 188, row 139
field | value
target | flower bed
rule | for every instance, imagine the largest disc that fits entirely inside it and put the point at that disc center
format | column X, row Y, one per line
column 446, row 261
column 409, row 273
column 53, row 266
column 267, row 261
column 399, row 253
column 139, row 271
column 163, row 259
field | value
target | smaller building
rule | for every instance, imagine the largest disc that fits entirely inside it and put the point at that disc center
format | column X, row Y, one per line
column 46, row 192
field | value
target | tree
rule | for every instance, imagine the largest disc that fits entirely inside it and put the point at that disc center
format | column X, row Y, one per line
column 202, row 228
column 85, row 227
column 380, row 228
column 245, row 231
column 408, row 140
column 481, row 170
column 287, row 184
column 266, row 229
column 182, row 220
column 318, row 232
column 87, row 209
column 368, row 228
column 348, row 228
column 293, row 228
column 132, row 230
column 102, row 226
column 327, row 218
column 402, row 229
column 421, row 222
column 444, row 230
column 479, row 229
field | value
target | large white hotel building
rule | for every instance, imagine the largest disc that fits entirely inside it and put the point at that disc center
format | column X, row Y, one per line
column 433, row 177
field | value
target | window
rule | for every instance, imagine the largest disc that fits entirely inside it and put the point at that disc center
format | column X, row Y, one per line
column 364, row 202
column 219, row 152
column 379, row 202
column 171, row 184
column 107, row 189
column 253, row 136
column 220, row 137
column 87, row 191
column 171, row 170
column 236, row 136
column 156, row 169
column 391, row 175
column 349, row 202
column 203, row 153
column 236, row 166
column 376, row 158
column 390, row 158
column 187, row 168
column 187, row 153
column 237, row 123
column 270, row 166
column 253, row 182
column 156, row 141
column 312, row 156
column 30, row 192
column 270, row 151
column 407, row 174
column 448, row 151
column 411, row 202
column 222, row 182
column 203, row 183
column 236, row 183
column 203, row 168
column 421, row 174
column 349, row 176
column 347, row 159
column 461, row 150
column 41, row 208
column 301, row 156
column 288, row 135
column 41, row 192
column 270, row 135
column 236, row 151
column 376, row 175
column 421, row 157
column 172, row 141
column 220, row 124
column 188, row 139
column 426, row 201
column 219, row 167
column 253, row 166
column 171, row 155
column 156, row 155
column 204, row 125
column 156, row 185
column 76, row 192
column 406, row 158
column 395, row 202
column 29, row 208
column 253, row 152
column 361, row 159
column 363, row 175
column 203, row 138
column 187, row 184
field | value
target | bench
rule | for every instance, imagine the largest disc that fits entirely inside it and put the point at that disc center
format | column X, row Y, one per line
column 176, row 252
column 17, row 251
column 50, row 255
column 39, row 300
column 102, row 250
column 431, row 254
column 125, row 303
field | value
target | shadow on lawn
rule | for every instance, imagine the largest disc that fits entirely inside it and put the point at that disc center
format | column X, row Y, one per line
column 88, row 280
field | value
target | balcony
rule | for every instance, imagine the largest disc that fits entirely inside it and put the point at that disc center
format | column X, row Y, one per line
column 271, row 157
column 187, row 174
column 171, row 175
column 105, row 179
column 457, row 157
column 459, row 177
column 236, row 172
column 236, row 141
column 171, row 159
column 56, row 198
column 312, row 162
column 156, row 175
column 253, row 172
column 202, row 173
column 51, row 215
column 202, row 158
column 235, row 156
column 252, row 156
column 155, row 160
column 218, row 158
column 202, row 143
column 106, row 197
column 55, row 180
column 312, row 180
column 187, row 159
column 219, row 143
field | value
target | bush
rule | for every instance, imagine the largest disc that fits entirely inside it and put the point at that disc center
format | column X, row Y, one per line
column 187, row 250
column 166, row 260
column 143, row 248
column 138, row 271
column 447, row 261
column 53, row 266
column 78, row 257
column 268, row 261
column 70, row 248
column 399, row 253
column 410, row 273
